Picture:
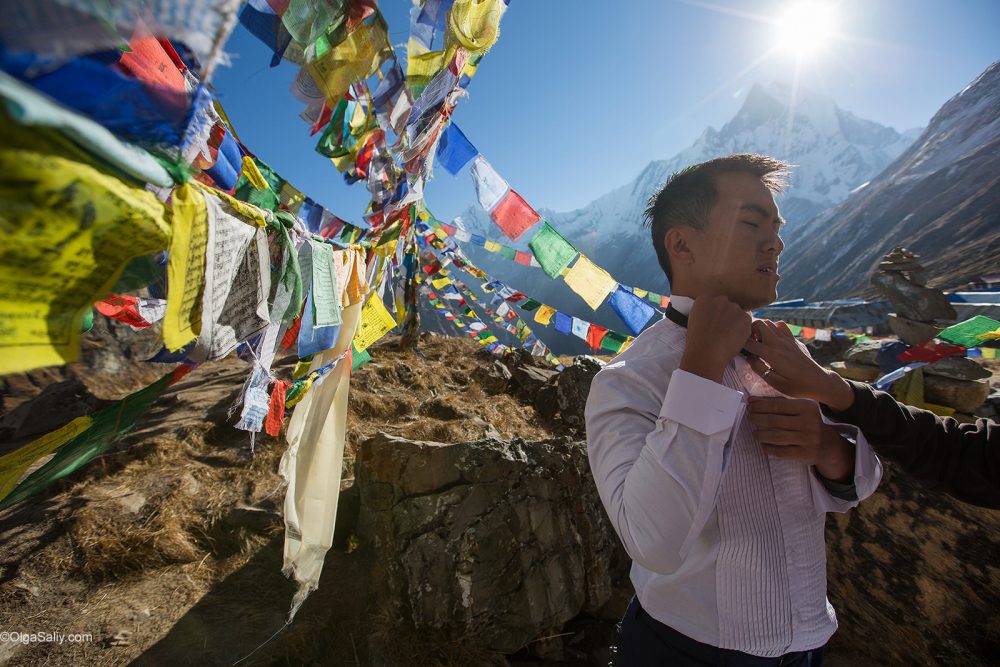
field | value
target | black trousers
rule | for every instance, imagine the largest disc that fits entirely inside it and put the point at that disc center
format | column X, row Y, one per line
column 645, row 642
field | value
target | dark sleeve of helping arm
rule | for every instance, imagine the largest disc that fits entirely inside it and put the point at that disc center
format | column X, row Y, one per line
column 962, row 460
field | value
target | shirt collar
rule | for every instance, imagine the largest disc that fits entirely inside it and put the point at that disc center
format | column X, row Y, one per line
column 682, row 304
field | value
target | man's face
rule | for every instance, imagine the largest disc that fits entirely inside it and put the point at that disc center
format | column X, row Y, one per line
column 736, row 253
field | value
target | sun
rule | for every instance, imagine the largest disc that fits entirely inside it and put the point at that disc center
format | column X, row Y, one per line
column 805, row 28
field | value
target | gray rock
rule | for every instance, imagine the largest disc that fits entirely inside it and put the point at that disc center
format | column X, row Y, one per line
column 913, row 301
column 962, row 395
column 58, row 404
column 527, row 380
column 547, row 401
column 488, row 542
column 957, row 368
column 864, row 352
column 912, row 332
column 574, row 387
column 494, row 379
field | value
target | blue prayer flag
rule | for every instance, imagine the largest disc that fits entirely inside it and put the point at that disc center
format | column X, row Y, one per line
column 563, row 323
column 633, row 311
column 454, row 150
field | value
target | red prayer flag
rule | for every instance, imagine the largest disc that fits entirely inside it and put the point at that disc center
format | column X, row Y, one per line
column 664, row 301
column 291, row 334
column 808, row 332
column 522, row 257
column 930, row 351
column 325, row 114
column 514, row 215
column 123, row 308
column 276, row 408
column 595, row 334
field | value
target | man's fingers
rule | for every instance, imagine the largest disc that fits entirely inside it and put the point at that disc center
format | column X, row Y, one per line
column 779, row 406
column 783, row 328
column 756, row 348
column 772, row 421
column 774, row 436
column 758, row 365
column 786, row 452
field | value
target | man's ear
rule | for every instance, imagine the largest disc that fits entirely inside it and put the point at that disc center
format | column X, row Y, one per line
column 676, row 242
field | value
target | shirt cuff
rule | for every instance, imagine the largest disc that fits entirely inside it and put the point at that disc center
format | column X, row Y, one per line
column 843, row 490
column 700, row 404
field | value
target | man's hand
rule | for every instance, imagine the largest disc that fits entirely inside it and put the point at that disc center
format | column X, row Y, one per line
column 717, row 330
column 784, row 365
column 793, row 428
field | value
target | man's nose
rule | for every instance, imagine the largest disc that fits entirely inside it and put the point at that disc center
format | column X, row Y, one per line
column 774, row 243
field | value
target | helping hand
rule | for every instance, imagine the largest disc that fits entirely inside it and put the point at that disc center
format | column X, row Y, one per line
column 793, row 428
column 784, row 365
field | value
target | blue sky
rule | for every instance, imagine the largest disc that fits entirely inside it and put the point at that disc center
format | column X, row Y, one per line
column 578, row 96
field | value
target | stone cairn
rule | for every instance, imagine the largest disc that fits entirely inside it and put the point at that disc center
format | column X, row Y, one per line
column 919, row 314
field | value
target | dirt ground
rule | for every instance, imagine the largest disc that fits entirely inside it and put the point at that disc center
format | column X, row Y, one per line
column 168, row 549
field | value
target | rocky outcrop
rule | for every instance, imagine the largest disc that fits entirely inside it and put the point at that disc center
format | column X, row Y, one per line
column 900, row 278
column 913, row 575
column 565, row 397
column 494, row 542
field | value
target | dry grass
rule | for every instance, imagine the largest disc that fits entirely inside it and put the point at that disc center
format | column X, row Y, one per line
column 161, row 523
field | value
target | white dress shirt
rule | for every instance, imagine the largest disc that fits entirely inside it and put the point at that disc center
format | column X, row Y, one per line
column 727, row 543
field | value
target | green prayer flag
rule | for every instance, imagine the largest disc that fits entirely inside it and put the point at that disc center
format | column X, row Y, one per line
column 267, row 198
column 613, row 341
column 140, row 272
column 964, row 333
column 794, row 328
column 551, row 250
column 508, row 252
column 325, row 294
column 88, row 321
column 110, row 423
column 359, row 359
column 483, row 335
column 530, row 305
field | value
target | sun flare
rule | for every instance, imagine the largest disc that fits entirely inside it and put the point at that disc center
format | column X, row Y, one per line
column 805, row 28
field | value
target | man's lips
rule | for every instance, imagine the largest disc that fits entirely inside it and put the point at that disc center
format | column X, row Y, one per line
column 769, row 270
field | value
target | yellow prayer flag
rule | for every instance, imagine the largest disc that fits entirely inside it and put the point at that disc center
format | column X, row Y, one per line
column 590, row 281
column 253, row 174
column 990, row 335
column 376, row 321
column 492, row 246
column 473, row 25
column 440, row 282
column 421, row 68
column 13, row 465
column 356, row 57
column 350, row 267
column 544, row 314
column 185, row 267
column 291, row 198
column 66, row 231
column 988, row 352
column 386, row 249
column 641, row 293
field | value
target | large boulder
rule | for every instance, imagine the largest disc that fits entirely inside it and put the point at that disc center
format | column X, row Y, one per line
column 914, row 577
column 912, row 332
column 574, row 387
column 913, row 301
column 489, row 542
column 957, row 368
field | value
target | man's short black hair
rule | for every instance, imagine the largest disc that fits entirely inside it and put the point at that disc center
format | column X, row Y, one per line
column 688, row 195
